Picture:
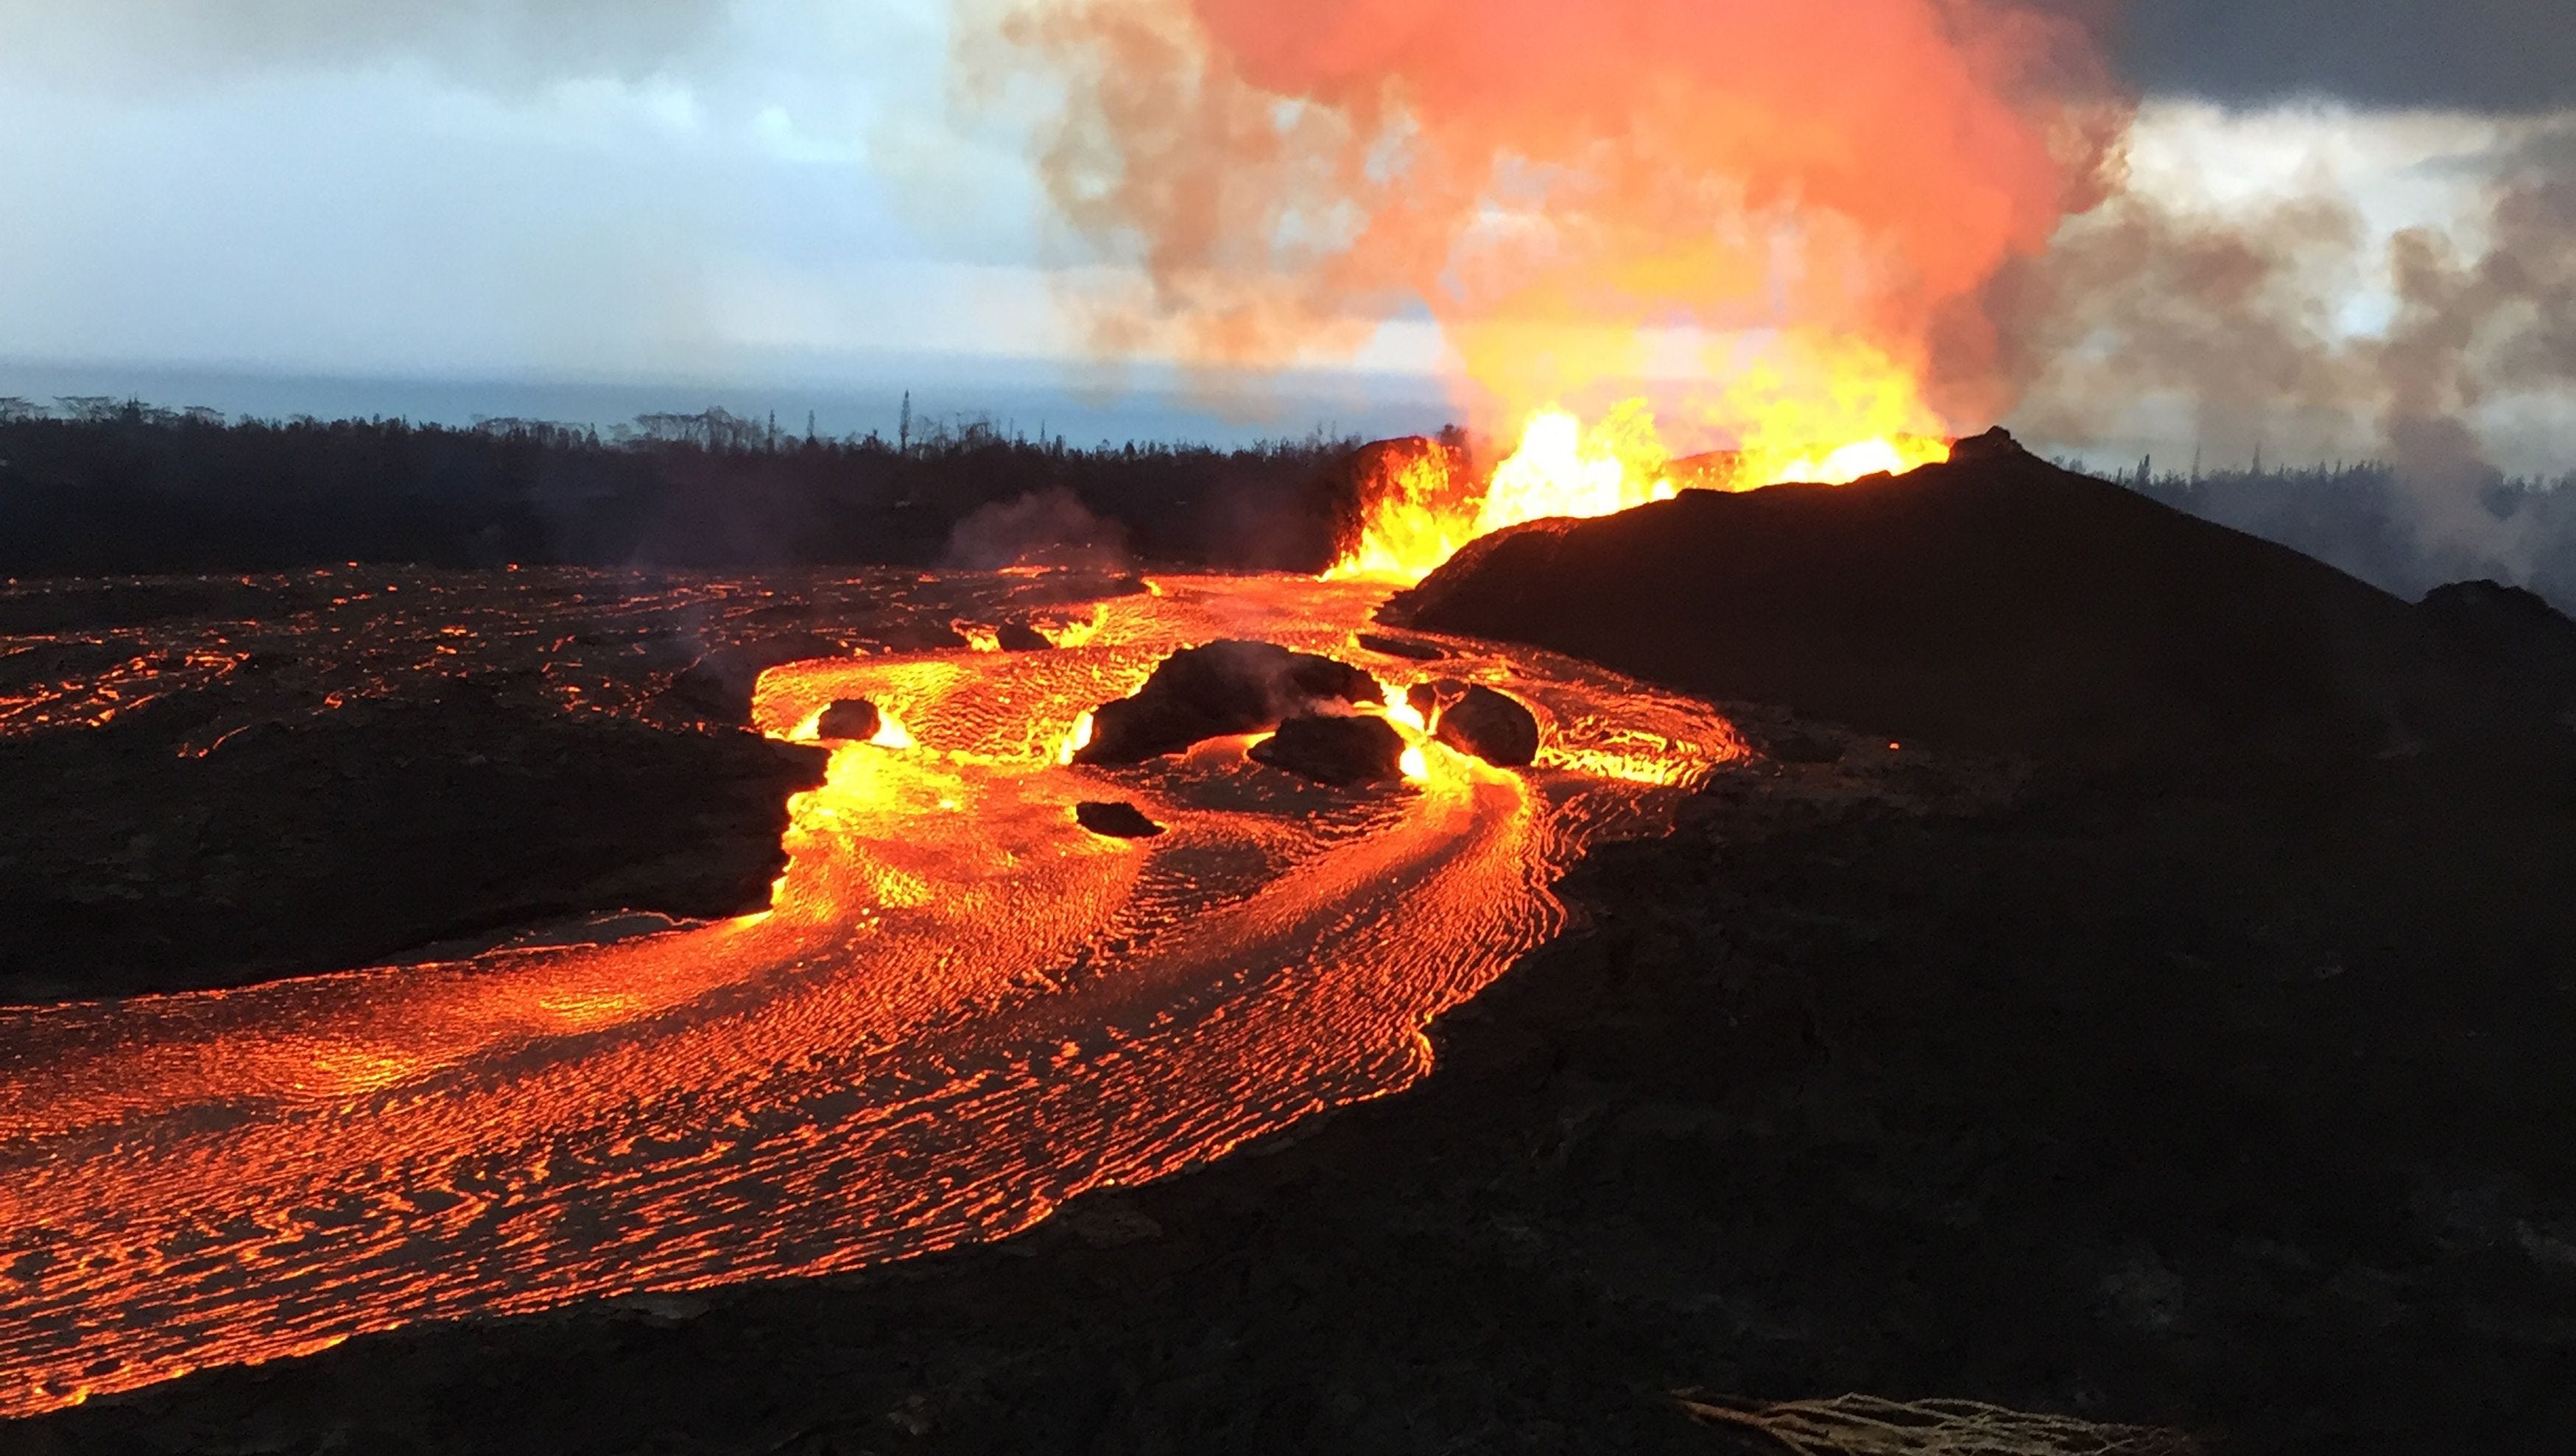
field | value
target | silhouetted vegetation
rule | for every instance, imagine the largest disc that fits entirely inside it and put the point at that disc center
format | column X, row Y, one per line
column 2403, row 536
column 102, row 486
column 94, row 486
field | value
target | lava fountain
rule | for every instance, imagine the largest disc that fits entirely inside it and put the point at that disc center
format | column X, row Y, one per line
column 1718, row 244
column 1420, row 501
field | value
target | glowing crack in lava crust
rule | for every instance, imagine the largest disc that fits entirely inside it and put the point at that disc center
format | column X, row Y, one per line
column 961, row 1009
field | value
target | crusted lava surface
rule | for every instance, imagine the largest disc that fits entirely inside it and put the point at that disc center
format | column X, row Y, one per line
column 1903, row 1074
column 220, row 780
column 371, row 833
column 2128, row 1063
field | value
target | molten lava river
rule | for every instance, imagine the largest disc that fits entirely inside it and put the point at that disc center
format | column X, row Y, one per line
column 961, row 1009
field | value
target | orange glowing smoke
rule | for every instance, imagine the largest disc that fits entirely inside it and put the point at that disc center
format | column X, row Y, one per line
column 1759, row 233
column 1657, row 197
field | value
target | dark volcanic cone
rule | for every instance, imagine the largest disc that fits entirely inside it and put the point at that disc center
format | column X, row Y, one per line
column 1996, row 602
column 1345, row 751
column 1221, row 688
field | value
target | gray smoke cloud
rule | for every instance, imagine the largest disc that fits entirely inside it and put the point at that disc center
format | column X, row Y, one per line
column 2241, row 317
column 504, row 43
column 1043, row 528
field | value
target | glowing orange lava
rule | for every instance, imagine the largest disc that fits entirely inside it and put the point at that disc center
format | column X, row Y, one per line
column 1816, row 410
column 960, row 1009
column 1417, row 515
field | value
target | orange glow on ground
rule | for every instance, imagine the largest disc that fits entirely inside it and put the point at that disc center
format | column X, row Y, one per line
column 959, row 1010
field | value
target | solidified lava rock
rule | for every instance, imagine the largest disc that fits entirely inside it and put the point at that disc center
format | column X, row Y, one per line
column 718, row 686
column 1996, row 443
column 922, row 635
column 353, row 838
column 1335, row 750
column 849, row 720
column 1997, row 603
column 1020, row 637
column 2512, row 633
column 1798, row 746
column 1115, row 819
column 1492, row 726
column 1223, row 687
column 1430, row 695
column 1414, row 648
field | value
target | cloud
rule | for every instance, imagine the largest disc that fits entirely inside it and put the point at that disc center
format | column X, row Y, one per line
column 2421, row 314
column 2389, row 300
column 145, row 44
column 2498, row 56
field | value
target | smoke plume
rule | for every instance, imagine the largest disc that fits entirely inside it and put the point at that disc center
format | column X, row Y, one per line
column 1919, row 211
column 2241, row 316
column 1043, row 528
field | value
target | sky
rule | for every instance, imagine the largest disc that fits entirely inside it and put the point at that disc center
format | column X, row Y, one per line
column 551, row 206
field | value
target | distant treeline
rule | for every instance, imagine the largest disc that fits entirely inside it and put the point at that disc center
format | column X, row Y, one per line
column 2404, row 536
column 101, row 486
column 110, row 487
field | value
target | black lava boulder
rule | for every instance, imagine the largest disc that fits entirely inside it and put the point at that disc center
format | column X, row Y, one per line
column 1335, row 750
column 849, row 720
column 1223, row 687
column 1020, row 637
column 1115, row 819
column 1408, row 647
column 1492, row 726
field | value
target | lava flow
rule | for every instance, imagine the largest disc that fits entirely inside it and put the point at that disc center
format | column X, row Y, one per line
column 961, row 1009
